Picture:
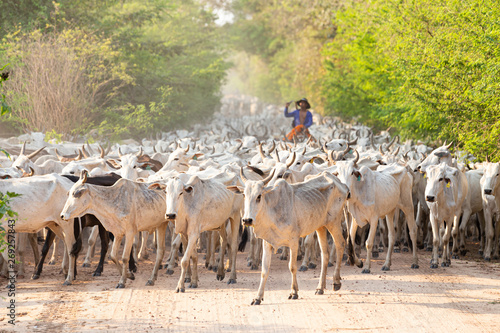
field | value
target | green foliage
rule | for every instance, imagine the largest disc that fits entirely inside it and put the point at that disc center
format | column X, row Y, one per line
column 134, row 52
column 427, row 68
column 4, row 107
column 53, row 135
column 5, row 210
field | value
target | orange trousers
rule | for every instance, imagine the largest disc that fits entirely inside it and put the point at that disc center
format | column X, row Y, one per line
column 296, row 130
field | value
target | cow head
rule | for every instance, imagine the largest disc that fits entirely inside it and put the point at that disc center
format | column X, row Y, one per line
column 490, row 181
column 254, row 192
column 437, row 156
column 78, row 199
column 440, row 180
column 22, row 162
column 177, row 192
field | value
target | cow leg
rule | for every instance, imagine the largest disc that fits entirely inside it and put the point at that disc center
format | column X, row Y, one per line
column 91, row 249
column 266, row 263
column 371, row 238
column 413, row 231
column 398, row 227
column 114, row 252
column 125, row 273
column 353, row 258
column 496, row 248
column 292, row 265
column 135, row 246
column 185, row 261
column 21, row 243
column 214, row 241
column 480, row 218
column 323, row 243
column 143, row 251
column 160, row 232
column 235, row 226
column 462, row 230
column 49, row 239
column 446, row 243
column 208, row 256
column 223, row 240
column 69, row 242
column 284, row 253
column 103, row 235
column 52, row 260
column 32, row 238
column 339, row 242
column 488, row 231
column 174, row 248
column 194, row 272
column 308, row 244
column 435, row 241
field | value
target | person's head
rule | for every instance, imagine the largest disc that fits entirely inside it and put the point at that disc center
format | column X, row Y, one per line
column 303, row 104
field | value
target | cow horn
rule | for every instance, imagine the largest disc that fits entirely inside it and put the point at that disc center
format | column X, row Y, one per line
column 392, row 142
column 272, row 147
column 370, row 133
column 276, row 156
column 448, row 146
column 331, row 157
column 242, row 175
column 139, row 153
column 353, row 142
column 32, row 172
column 371, row 142
column 85, row 174
column 59, row 157
column 356, row 159
column 154, row 148
column 309, row 140
column 84, row 152
column 293, row 160
column 120, row 152
column 357, row 133
column 80, row 155
column 333, row 133
column 101, row 150
column 187, row 149
column 396, row 152
column 304, row 151
column 325, row 149
column 246, row 130
column 30, row 156
column 23, row 148
column 346, row 150
column 294, row 141
column 261, row 152
column 268, row 178
column 381, row 150
column 213, row 149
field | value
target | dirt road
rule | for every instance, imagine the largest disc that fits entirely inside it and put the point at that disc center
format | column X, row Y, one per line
column 464, row 297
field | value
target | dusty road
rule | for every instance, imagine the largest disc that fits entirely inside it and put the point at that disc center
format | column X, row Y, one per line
column 464, row 297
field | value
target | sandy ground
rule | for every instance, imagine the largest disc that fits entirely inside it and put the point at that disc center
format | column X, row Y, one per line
column 464, row 297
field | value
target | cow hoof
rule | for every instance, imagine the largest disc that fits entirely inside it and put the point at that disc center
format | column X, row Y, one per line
column 283, row 258
column 187, row 280
column 169, row 271
column 215, row 268
column 303, row 268
column 414, row 266
column 231, row 281
column 193, row 285
column 380, row 249
column 280, row 250
column 330, row 264
column 220, row 277
column 86, row 264
column 249, row 264
column 35, row 277
column 206, row 265
column 131, row 276
column 120, row 286
column 495, row 257
column 210, row 267
column 52, row 262
column 360, row 264
column 161, row 266
column 455, row 256
column 176, row 264
column 443, row 264
column 204, row 257
column 347, row 263
column 256, row 302
column 487, row 259
column 428, row 249
column 405, row 249
column 228, row 270
column 336, row 286
column 134, row 269
column 180, row 290
column 365, row 271
column 67, row 283
column 434, row 265
column 150, row 283
column 319, row 292
column 96, row 274
column 463, row 252
column 375, row 254
column 397, row 250
column 344, row 256
column 293, row 296
column 312, row 265
column 254, row 267
column 386, row 268
column 481, row 252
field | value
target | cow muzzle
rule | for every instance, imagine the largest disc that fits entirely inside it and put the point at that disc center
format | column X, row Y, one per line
column 248, row 222
column 170, row 216
column 430, row 198
column 488, row 191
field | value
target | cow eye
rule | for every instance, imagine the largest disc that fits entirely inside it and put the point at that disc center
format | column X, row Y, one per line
column 258, row 198
column 176, row 159
column 135, row 166
column 280, row 176
column 440, row 179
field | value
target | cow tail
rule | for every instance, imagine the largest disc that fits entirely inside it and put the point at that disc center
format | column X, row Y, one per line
column 244, row 240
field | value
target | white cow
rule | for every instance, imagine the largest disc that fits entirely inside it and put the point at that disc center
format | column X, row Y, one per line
column 283, row 213
column 490, row 192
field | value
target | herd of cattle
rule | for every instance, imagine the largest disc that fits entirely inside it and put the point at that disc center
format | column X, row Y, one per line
column 235, row 180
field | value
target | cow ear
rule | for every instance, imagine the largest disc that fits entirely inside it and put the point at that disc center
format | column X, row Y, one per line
column 113, row 163
column 357, row 174
column 157, row 186
column 188, row 189
column 235, row 189
column 197, row 156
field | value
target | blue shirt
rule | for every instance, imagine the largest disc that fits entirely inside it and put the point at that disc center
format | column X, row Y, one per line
column 296, row 117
